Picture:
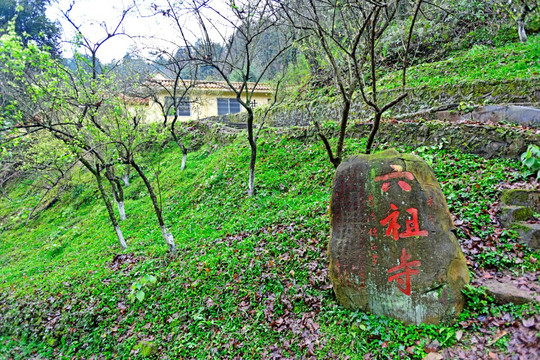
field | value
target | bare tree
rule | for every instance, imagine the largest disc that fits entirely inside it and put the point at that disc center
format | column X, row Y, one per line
column 131, row 141
column 349, row 34
column 172, row 95
column 239, row 30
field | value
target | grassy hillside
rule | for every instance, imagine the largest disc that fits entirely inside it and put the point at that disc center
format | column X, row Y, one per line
column 515, row 60
column 250, row 277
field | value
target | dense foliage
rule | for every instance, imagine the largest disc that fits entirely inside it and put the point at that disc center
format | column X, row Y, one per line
column 31, row 22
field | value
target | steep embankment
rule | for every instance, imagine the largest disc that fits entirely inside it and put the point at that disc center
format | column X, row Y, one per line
column 250, row 277
column 477, row 77
column 512, row 61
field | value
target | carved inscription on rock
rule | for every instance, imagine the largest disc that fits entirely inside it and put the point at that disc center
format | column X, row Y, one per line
column 392, row 251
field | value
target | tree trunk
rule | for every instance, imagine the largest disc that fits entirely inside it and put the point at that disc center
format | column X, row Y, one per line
column 182, row 147
column 253, row 158
column 374, row 129
column 521, row 23
column 342, row 129
column 120, row 237
column 118, row 192
column 521, row 31
column 109, row 207
column 121, row 210
column 184, row 158
column 120, row 199
column 125, row 178
column 251, row 184
column 167, row 236
column 108, row 204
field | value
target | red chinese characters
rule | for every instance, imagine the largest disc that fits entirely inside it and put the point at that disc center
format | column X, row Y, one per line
column 374, row 257
column 397, row 174
column 391, row 221
column 411, row 229
column 406, row 268
column 403, row 278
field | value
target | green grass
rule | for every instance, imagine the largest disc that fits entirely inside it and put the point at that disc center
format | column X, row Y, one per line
column 511, row 61
column 242, row 265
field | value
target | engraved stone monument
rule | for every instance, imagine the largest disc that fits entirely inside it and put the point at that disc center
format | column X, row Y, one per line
column 392, row 250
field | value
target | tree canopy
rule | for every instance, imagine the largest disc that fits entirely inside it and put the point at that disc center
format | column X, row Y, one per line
column 31, row 22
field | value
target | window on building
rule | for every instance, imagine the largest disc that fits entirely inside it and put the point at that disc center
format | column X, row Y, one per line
column 183, row 106
column 228, row 106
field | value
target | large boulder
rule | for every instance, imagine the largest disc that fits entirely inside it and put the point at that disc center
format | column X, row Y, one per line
column 392, row 250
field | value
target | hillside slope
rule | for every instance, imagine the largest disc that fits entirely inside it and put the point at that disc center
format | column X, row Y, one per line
column 511, row 61
column 250, row 277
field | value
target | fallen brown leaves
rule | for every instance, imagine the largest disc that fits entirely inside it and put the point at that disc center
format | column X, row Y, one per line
column 500, row 336
column 119, row 260
column 522, row 342
column 293, row 314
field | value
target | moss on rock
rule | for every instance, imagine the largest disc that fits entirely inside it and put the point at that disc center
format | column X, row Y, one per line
column 518, row 197
column 386, row 209
column 147, row 348
column 52, row 341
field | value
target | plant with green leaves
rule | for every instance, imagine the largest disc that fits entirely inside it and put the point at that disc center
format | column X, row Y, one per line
column 81, row 107
column 31, row 22
column 531, row 160
column 233, row 268
column 477, row 299
column 63, row 103
column 139, row 287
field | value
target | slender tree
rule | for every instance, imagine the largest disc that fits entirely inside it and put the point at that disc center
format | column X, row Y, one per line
column 131, row 141
column 348, row 34
column 78, row 106
column 172, row 95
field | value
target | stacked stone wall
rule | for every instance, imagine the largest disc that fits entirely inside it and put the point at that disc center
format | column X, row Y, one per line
column 483, row 139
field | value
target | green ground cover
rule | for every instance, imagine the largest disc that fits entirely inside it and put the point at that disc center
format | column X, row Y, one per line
column 481, row 62
column 250, row 277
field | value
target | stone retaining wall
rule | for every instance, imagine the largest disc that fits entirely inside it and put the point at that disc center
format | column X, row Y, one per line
column 484, row 140
column 421, row 99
